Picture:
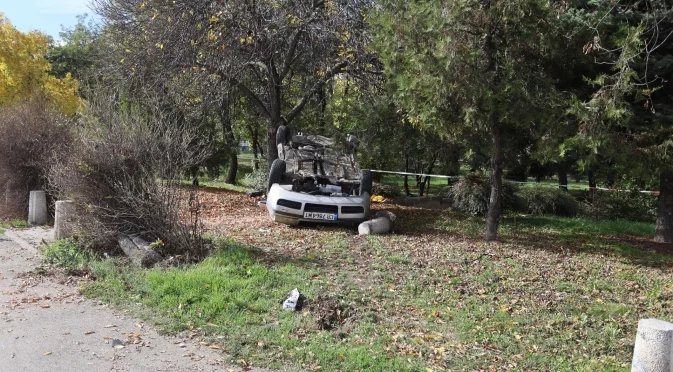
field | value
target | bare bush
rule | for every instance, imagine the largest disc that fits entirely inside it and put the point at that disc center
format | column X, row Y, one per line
column 31, row 132
column 124, row 177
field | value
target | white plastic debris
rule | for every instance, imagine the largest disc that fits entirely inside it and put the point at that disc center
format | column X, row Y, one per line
column 291, row 302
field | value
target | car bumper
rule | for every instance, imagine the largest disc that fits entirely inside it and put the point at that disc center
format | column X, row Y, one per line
column 289, row 207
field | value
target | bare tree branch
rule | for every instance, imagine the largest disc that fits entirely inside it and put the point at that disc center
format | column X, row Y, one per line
column 316, row 87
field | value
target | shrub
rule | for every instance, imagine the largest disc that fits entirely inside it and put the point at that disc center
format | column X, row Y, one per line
column 66, row 254
column 633, row 206
column 124, row 178
column 258, row 179
column 545, row 200
column 471, row 194
column 31, row 133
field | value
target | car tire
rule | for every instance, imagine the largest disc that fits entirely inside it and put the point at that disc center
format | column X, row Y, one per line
column 276, row 173
column 365, row 181
column 281, row 135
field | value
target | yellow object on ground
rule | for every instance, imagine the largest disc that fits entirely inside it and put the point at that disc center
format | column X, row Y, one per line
column 377, row 198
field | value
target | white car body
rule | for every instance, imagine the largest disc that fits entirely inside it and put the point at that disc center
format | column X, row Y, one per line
column 290, row 207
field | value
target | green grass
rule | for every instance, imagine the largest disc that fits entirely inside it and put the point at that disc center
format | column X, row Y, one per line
column 243, row 170
column 397, row 182
column 15, row 223
column 572, row 185
column 66, row 254
column 579, row 225
column 19, row 224
column 554, row 294
column 235, row 298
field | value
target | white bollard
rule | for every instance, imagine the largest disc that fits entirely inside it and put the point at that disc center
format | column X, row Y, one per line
column 63, row 219
column 37, row 208
column 653, row 349
column 380, row 225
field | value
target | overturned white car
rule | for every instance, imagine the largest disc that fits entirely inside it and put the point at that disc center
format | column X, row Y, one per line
column 310, row 181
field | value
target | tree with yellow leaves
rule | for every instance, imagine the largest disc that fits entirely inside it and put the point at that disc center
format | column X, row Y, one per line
column 24, row 71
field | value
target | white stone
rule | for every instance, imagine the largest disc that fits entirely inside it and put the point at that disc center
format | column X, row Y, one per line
column 64, row 219
column 376, row 226
column 139, row 251
column 37, row 208
column 653, row 349
column 381, row 224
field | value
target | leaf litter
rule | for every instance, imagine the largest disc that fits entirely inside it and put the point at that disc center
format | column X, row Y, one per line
column 435, row 293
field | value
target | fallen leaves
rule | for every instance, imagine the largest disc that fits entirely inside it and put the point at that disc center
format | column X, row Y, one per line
column 453, row 298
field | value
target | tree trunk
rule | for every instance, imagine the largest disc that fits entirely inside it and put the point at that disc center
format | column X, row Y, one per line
column 610, row 180
column 233, row 168
column 663, row 231
column 254, row 133
column 592, row 179
column 425, row 184
column 255, row 158
column 562, row 177
column 406, row 177
column 271, row 149
column 495, row 202
column 275, row 119
column 421, row 186
column 258, row 143
column 230, row 142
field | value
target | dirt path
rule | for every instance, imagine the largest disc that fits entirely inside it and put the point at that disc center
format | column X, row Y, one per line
column 45, row 325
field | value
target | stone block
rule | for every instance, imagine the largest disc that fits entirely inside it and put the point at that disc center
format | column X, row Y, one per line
column 654, row 342
column 381, row 224
column 64, row 219
column 139, row 251
column 37, row 208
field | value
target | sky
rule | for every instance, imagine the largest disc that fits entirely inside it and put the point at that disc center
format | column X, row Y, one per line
column 44, row 15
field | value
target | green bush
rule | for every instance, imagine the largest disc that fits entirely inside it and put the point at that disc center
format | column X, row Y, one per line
column 258, row 178
column 632, row 206
column 471, row 194
column 545, row 201
column 66, row 254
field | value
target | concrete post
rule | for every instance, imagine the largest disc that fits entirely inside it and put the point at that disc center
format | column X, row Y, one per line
column 653, row 349
column 11, row 196
column 63, row 219
column 37, row 208
column 381, row 224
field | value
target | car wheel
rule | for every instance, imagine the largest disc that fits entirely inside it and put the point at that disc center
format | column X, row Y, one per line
column 281, row 135
column 365, row 181
column 276, row 173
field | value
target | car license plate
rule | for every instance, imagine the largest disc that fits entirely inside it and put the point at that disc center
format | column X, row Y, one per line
column 320, row 216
